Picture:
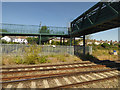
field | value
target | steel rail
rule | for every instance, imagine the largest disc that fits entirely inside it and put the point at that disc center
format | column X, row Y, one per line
column 85, row 82
column 45, row 76
column 69, row 68
column 46, row 65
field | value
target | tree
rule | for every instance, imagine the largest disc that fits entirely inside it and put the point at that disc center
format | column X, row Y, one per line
column 105, row 45
column 44, row 29
column 32, row 40
column 3, row 30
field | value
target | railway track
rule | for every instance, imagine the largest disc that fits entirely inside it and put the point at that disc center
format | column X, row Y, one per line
column 56, row 80
column 60, row 80
column 44, row 66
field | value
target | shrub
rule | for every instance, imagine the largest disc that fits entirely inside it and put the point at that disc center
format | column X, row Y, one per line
column 19, row 60
column 105, row 45
column 43, row 59
column 31, row 55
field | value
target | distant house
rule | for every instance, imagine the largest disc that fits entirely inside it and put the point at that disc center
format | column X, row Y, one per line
column 6, row 38
column 97, row 42
column 19, row 40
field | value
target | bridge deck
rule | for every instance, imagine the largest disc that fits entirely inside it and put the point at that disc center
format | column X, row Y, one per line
column 100, row 17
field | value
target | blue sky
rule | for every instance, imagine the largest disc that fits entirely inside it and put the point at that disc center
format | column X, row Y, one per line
column 51, row 14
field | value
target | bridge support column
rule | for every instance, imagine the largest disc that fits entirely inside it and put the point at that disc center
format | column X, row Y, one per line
column 63, row 41
column 39, row 39
column 70, row 41
column 84, row 44
column 74, row 45
column 60, row 40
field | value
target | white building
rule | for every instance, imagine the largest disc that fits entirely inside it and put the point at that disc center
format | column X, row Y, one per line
column 6, row 38
column 19, row 40
column 97, row 43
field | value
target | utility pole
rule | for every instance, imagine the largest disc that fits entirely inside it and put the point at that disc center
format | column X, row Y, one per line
column 39, row 37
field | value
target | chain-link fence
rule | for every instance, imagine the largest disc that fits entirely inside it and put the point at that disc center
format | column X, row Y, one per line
column 79, row 50
column 19, row 49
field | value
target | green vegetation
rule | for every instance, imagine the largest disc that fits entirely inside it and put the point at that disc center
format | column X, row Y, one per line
column 32, row 40
column 5, row 42
column 44, row 29
column 32, row 55
column 3, row 30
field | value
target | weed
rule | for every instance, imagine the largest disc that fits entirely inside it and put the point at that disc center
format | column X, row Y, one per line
column 66, row 55
column 43, row 59
column 49, row 61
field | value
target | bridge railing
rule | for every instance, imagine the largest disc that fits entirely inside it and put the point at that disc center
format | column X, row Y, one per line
column 31, row 29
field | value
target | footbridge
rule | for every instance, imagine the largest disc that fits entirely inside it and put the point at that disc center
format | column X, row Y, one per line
column 102, row 16
column 33, row 30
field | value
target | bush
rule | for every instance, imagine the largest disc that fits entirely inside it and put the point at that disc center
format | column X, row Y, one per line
column 31, row 55
column 43, row 59
column 18, row 60
column 105, row 45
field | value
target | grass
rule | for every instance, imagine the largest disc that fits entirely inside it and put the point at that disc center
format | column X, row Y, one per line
column 32, row 56
column 105, row 54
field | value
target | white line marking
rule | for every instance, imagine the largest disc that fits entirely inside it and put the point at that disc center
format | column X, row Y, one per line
column 26, row 69
column 54, row 67
column 19, row 69
column 77, row 80
column 9, row 86
column 20, row 85
column 97, row 75
column 41, row 67
column 33, row 68
column 80, row 65
column 90, row 76
column 11, row 70
column 60, row 66
column 58, row 83
column 66, row 79
column 109, row 73
column 117, row 71
column 85, row 65
column 33, row 84
column 66, row 66
column 103, row 75
column 114, row 72
column 48, row 67
column 46, row 83
column 76, row 65
column 84, row 78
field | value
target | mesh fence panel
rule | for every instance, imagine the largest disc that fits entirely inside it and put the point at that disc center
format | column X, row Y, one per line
column 19, row 49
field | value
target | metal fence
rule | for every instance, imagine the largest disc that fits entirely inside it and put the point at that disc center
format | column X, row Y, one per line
column 19, row 49
column 79, row 50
